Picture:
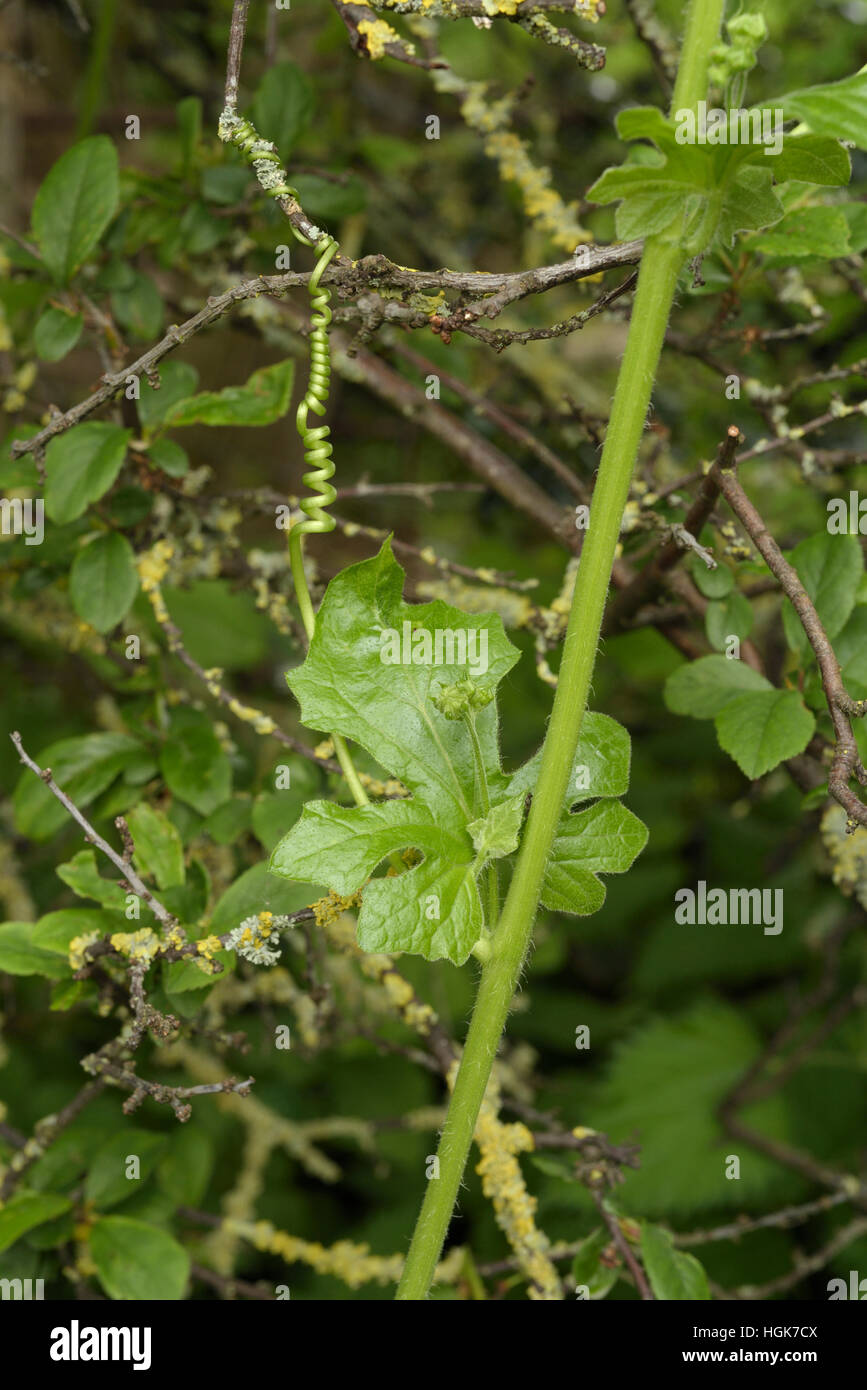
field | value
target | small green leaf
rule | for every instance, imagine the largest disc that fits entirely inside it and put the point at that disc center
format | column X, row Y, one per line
column 184, row 1170
column 806, row 233
column 830, row 568
column 170, row 457
column 749, row 202
column 586, row 1261
column 139, row 308
column 178, row 381
column 189, row 117
column 263, row 399
column 851, row 650
column 194, row 765
column 497, row 833
column 728, row 617
column 26, row 1210
column 704, row 687
column 692, row 193
column 158, row 848
column 836, row 109
column 138, row 1262
column 75, row 203
column 604, row 839
column 601, row 765
column 83, row 877
column 673, row 1274
column 103, row 581
column 760, row 730
column 56, row 334
column 331, row 199
column 587, row 1270
column 716, row 583
column 812, row 159
column 283, row 106
column 20, row 954
column 107, row 1182
column 81, row 466
column 56, row 930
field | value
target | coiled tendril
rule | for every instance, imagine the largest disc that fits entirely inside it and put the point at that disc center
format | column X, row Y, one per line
column 315, row 438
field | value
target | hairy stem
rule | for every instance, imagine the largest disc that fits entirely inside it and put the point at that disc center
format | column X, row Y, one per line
column 660, row 266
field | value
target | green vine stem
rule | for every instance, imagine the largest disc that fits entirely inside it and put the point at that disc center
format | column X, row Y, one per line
column 661, row 264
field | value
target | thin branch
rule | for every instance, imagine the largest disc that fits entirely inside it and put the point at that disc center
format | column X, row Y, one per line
column 842, row 707
column 92, row 837
column 515, row 285
column 745, row 1225
column 623, row 1246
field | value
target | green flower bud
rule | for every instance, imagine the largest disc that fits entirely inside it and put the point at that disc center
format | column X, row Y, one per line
column 463, row 698
column 747, row 30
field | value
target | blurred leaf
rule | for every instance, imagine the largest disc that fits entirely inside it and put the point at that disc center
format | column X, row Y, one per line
column 82, row 875
column 178, row 381
column 20, row 955
column 262, row 400
column 75, row 203
column 56, row 334
column 139, row 309
column 103, row 581
column 830, row 568
column 170, row 457
column 812, row 159
column 138, row 1262
column 805, row 233
column 184, row 1170
column 666, row 1083
column 107, row 1182
column 728, row 617
column 715, row 584
column 193, row 764
column 283, row 106
column 835, row 109
column 329, row 199
column 221, row 628
column 158, row 849
column 673, row 1274
column 25, row 1210
column 189, row 117
column 81, row 466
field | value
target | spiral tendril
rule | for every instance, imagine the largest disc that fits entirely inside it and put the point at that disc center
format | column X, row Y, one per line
column 315, row 438
column 273, row 179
